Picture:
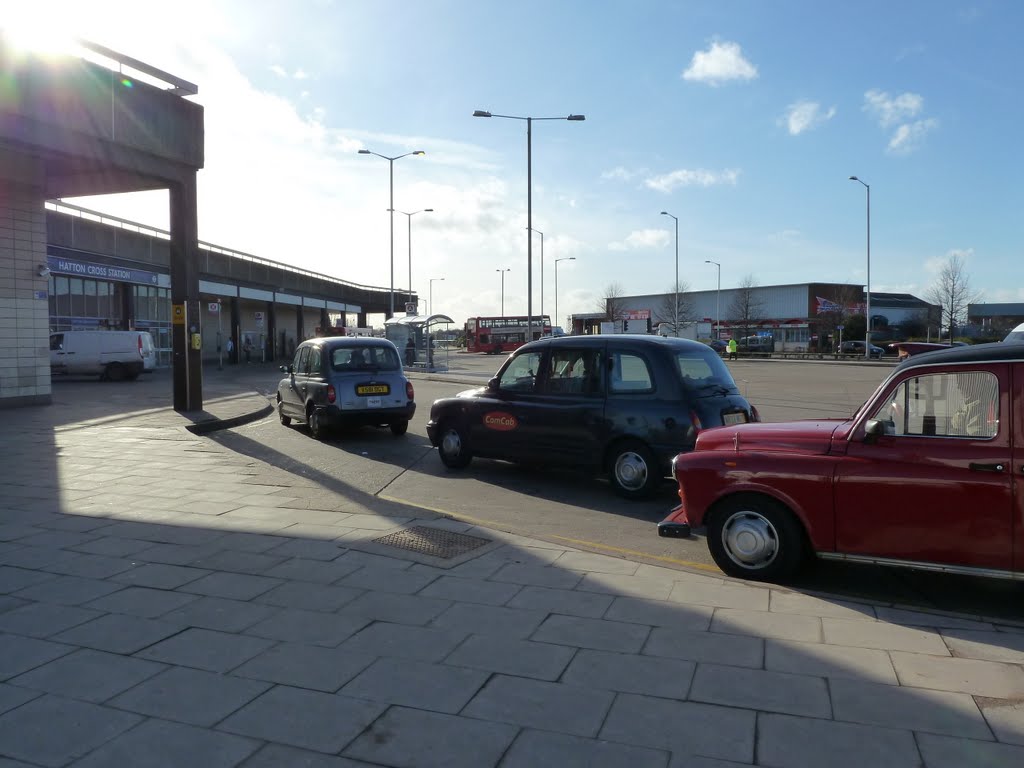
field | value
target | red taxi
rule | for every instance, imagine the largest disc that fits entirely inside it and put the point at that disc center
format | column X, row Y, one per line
column 928, row 474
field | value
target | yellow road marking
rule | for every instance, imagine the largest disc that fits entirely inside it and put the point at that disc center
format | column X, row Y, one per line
column 581, row 542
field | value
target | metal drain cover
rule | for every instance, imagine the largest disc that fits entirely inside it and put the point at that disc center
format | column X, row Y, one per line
column 435, row 542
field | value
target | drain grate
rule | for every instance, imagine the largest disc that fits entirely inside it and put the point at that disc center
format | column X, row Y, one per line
column 435, row 542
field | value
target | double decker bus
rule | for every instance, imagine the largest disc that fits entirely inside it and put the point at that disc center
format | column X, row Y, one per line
column 495, row 335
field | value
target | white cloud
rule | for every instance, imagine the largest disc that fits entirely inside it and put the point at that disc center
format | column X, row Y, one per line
column 805, row 115
column 721, row 62
column 909, row 136
column 687, row 178
column 642, row 238
column 619, row 173
column 300, row 74
column 889, row 110
column 278, row 70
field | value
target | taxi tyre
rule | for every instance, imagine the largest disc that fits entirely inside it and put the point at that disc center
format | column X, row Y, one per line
column 399, row 428
column 285, row 420
column 453, row 446
column 633, row 470
column 756, row 538
column 315, row 422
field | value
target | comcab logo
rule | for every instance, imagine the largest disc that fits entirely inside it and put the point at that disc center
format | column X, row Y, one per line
column 500, row 421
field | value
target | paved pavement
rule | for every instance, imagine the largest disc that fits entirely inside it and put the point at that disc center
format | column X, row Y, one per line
column 165, row 601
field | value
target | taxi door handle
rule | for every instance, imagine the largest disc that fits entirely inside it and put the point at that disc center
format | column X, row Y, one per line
column 986, row 467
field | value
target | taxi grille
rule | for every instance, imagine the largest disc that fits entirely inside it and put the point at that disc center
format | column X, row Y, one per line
column 435, row 542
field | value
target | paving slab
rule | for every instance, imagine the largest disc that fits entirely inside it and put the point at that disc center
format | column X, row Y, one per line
column 945, row 752
column 660, row 613
column 118, row 633
column 233, row 586
column 206, row 649
column 534, row 748
column 543, row 661
column 713, row 647
column 161, row 744
column 404, row 642
column 564, row 601
column 762, row 623
column 434, row 687
column 12, row 696
column 990, row 645
column 470, row 590
column 883, row 636
column 305, row 666
column 68, row 590
column 44, row 619
column 720, row 595
column 276, row 756
column 783, row 601
column 312, row 627
column 761, row 690
column 411, row 738
column 599, row 634
column 141, row 601
column 20, row 654
column 190, row 696
column 397, row 608
column 829, row 661
column 800, row 742
column 918, row 709
column 219, row 613
column 629, row 673
column 309, row 597
column 88, row 675
column 322, row 722
column 980, row 678
column 476, row 619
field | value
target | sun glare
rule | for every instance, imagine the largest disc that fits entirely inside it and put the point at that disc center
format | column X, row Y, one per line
column 29, row 29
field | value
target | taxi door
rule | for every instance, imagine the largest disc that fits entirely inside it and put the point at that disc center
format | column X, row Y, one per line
column 504, row 420
column 938, row 485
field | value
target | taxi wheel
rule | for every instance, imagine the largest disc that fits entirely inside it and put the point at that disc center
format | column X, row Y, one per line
column 634, row 470
column 399, row 428
column 315, row 422
column 280, row 414
column 755, row 538
column 453, row 447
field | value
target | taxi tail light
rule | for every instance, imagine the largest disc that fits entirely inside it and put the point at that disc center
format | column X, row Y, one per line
column 409, row 392
column 695, row 420
column 331, row 394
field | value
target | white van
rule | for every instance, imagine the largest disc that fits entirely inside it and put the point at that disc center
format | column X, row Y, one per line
column 111, row 355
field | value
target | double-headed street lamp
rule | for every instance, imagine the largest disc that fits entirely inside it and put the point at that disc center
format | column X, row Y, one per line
column 430, row 294
column 675, row 320
column 529, row 204
column 391, row 208
column 867, row 292
column 503, row 271
column 718, row 300
column 564, row 258
column 410, row 215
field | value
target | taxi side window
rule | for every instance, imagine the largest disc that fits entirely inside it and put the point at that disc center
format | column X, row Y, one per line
column 315, row 365
column 574, row 372
column 521, row 373
column 302, row 360
column 629, row 373
column 962, row 404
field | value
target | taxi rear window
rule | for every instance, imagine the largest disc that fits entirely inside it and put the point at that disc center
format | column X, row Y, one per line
column 703, row 369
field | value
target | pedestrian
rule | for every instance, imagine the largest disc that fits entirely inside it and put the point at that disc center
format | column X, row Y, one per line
column 247, row 348
column 732, row 349
column 230, row 346
column 410, row 351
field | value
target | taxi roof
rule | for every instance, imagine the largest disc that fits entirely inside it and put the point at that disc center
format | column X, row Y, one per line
column 994, row 352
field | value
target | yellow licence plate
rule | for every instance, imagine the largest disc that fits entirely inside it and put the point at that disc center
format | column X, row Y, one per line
column 372, row 389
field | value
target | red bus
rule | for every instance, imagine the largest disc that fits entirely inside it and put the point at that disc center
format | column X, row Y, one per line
column 495, row 335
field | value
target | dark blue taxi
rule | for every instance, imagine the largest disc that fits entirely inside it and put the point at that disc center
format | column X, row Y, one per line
column 623, row 405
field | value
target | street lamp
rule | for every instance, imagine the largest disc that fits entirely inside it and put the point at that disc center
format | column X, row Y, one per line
column 430, row 293
column 867, row 292
column 718, row 300
column 675, row 320
column 391, row 208
column 410, row 215
column 529, row 204
column 541, row 277
column 564, row 258
column 503, row 271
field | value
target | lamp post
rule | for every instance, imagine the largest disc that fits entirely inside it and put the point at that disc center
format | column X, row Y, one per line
column 410, row 215
column 391, row 208
column 503, row 271
column 529, row 204
column 430, row 293
column 541, row 277
column 675, row 320
column 867, row 291
column 564, row 258
column 718, row 300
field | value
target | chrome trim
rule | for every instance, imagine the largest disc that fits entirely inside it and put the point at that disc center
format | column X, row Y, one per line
column 961, row 570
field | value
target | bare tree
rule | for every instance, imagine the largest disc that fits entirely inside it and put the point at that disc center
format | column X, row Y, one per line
column 952, row 292
column 747, row 308
column 674, row 317
column 611, row 302
column 838, row 312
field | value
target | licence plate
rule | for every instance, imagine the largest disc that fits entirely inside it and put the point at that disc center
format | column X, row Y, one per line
column 372, row 389
column 730, row 419
column 373, row 402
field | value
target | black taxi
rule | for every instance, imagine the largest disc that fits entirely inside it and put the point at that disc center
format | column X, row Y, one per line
column 624, row 405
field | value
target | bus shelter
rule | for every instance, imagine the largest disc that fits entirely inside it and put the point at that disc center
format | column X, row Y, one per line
column 414, row 337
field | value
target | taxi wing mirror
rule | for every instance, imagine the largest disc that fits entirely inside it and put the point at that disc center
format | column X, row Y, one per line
column 873, row 429
column 492, row 384
column 287, row 368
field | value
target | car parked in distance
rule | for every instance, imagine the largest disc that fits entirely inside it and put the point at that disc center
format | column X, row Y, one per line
column 617, row 404
column 857, row 348
column 346, row 381
column 926, row 474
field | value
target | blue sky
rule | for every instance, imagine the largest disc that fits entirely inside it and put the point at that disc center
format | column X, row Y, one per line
column 744, row 119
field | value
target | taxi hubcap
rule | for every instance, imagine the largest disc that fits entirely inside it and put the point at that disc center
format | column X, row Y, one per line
column 451, row 444
column 750, row 539
column 631, row 471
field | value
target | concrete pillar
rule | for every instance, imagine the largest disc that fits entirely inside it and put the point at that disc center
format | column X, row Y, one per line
column 187, row 362
column 24, row 304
